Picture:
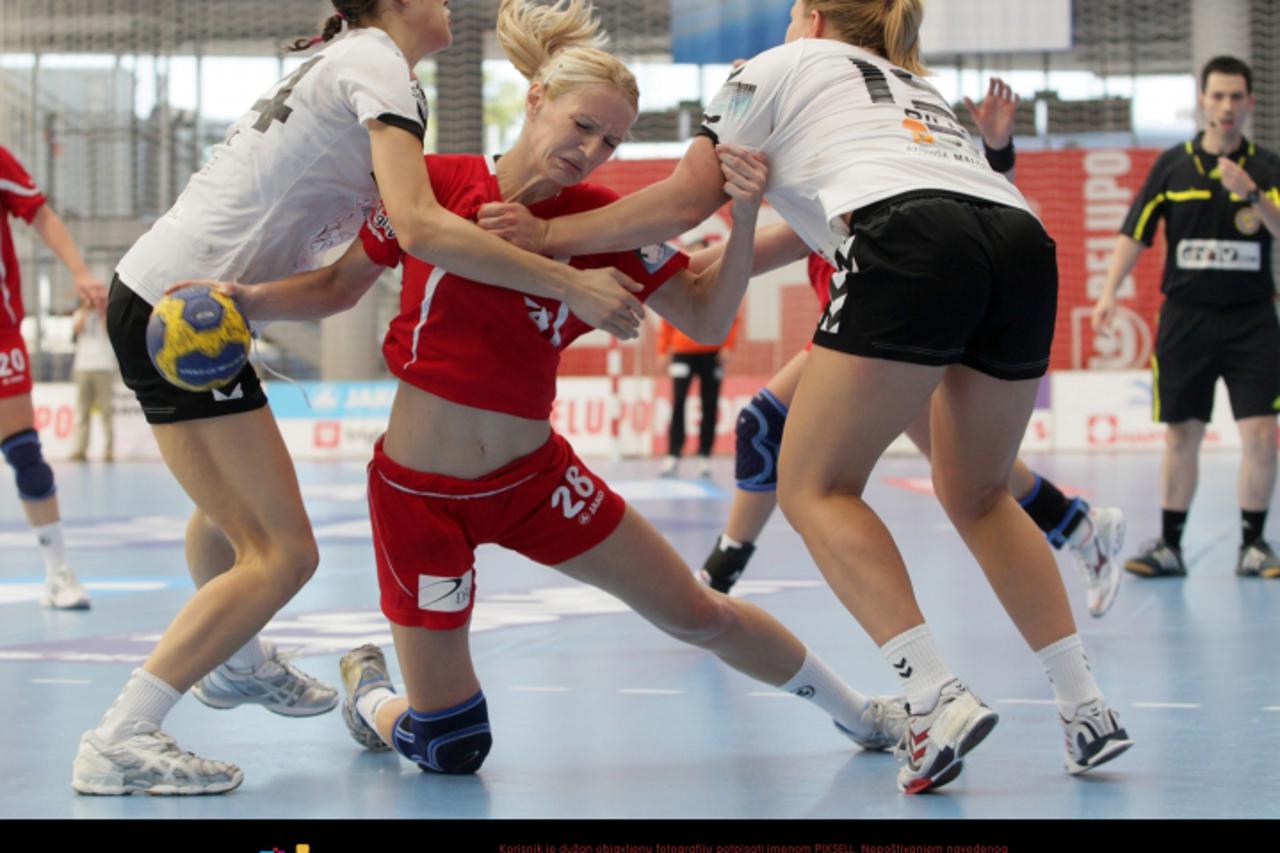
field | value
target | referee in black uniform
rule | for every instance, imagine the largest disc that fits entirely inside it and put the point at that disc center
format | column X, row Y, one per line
column 1218, row 195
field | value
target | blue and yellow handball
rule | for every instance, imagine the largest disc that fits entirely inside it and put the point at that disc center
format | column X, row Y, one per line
column 197, row 338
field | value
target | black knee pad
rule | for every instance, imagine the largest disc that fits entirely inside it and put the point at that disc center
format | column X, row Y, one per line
column 454, row 741
column 35, row 477
column 759, row 439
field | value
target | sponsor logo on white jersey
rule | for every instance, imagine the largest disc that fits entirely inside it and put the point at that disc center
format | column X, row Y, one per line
column 1238, row 255
column 445, row 595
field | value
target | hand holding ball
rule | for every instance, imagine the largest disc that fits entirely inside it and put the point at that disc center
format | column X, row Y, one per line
column 197, row 338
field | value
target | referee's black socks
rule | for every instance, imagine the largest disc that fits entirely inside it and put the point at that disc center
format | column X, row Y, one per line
column 1251, row 524
column 1172, row 522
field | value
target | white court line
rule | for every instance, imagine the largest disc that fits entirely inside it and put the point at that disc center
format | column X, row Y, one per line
column 61, row 681
column 540, row 689
column 772, row 694
column 1272, row 708
column 1176, row 705
column 1026, row 702
column 640, row 691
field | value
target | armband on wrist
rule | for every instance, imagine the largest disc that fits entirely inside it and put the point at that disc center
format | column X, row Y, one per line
column 1254, row 196
column 1000, row 159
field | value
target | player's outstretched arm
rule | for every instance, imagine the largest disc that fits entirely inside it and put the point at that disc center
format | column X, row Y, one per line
column 703, row 306
column 55, row 235
column 426, row 229
column 655, row 214
column 995, row 117
column 312, row 295
column 776, row 246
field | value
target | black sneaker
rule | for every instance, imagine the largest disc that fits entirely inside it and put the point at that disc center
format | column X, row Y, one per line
column 1258, row 560
column 1157, row 560
column 723, row 568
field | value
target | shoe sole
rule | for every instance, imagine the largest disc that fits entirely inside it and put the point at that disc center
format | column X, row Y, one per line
column 1113, row 556
column 864, row 744
column 976, row 734
column 102, row 790
column 1101, row 609
column 1112, row 750
column 282, row 710
column 360, row 731
column 1145, row 571
column 79, row 605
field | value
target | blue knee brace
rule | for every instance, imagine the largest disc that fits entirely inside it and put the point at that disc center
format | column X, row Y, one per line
column 455, row 740
column 34, row 476
column 759, row 438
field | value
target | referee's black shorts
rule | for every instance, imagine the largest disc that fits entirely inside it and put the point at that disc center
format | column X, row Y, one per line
column 1195, row 344
column 162, row 403
column 934, row 278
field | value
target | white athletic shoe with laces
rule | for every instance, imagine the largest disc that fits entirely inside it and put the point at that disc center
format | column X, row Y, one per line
column 276, row 684
column 884, row 719
column 936, row 740
column 1098, row 558
column 148, row 761
column 1094, row 737
column 363, row 669
column 63, row 591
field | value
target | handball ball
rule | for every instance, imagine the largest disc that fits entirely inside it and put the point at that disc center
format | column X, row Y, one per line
column 197, row 338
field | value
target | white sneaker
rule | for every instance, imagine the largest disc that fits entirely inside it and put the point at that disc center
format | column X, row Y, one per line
column 63, row 591
column 704, row 467
column 1094, row 737
column 1098, row 558
column 884, row 719
column 276, row 684
column 363, row 669
column 148, row 761
column 669, row 466
column 936, row 740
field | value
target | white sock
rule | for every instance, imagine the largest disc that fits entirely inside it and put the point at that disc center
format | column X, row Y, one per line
column 1069, row 673
column 52, row 548
column 726, row 543
column 816, row 682
column 918, row 665
column 144, row 697
column 251, row 655
column 368, row 705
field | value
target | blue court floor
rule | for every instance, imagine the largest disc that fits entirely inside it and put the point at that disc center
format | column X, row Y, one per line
column 596, row 714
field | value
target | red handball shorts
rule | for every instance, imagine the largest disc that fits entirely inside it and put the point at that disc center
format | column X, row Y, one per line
column 547, row 506
column 15, row 365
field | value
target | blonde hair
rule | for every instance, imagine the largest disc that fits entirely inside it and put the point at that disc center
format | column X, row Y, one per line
column 561, row 47
column 891, row 28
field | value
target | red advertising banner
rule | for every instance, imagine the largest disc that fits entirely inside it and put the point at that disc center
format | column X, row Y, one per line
column 1082, row 196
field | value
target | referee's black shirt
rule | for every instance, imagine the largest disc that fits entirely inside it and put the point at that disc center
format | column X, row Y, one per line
column 1219, row 250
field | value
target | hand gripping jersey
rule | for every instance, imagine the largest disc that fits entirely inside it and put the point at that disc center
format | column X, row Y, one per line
column 485, row 346
column 844, row 128
column 18, row 197
column 293, row 178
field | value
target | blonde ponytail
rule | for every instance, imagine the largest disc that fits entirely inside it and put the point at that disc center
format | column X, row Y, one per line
column 890, row 28
column 561, row 47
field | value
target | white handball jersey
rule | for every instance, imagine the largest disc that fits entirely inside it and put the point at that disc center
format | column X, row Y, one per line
column 844, row 128
column 293, row 178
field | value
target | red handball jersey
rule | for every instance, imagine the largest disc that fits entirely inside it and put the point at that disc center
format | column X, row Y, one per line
column 18, row 197
column 820, row 272
column 485, row 346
